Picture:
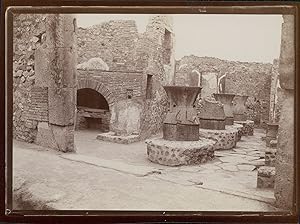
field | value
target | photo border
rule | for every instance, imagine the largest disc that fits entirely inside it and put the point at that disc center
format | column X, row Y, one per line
column 178, row 7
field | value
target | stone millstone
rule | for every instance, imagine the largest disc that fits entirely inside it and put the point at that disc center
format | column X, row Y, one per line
column 211, row 114
column 174, row 153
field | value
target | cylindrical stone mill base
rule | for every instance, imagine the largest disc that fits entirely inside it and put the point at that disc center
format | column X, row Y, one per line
column 225, row 139
column 175, row 153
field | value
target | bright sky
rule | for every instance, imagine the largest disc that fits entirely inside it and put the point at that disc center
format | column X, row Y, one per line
column 248, row 38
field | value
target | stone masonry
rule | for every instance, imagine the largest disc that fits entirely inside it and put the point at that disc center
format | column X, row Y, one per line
column 114, row 60
column 284, row 164
column 28, row 32
column 45, row 79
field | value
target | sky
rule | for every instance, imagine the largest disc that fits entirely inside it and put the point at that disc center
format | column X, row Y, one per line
column 246, row 38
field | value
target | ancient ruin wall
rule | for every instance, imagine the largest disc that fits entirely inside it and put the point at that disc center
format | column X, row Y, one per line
column 284, row 164
column 252, row 79
column 28, row 31
column 155, row 54
column 123, row 49
column 112, row 41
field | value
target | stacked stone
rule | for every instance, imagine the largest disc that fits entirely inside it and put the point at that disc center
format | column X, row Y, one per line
column 28, row 31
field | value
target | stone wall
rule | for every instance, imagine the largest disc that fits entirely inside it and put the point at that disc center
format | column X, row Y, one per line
column 28, row 31
column 252, row 79
column 113, row 41
column 124, row 63
column 285, row 162
column 134, row 61
column 155, row 51
column 44, row 61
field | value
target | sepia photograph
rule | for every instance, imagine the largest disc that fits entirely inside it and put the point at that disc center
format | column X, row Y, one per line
column 153, row 112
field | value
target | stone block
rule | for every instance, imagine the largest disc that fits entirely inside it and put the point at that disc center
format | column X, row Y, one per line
column 64, row 137
column 180, row 132
column 266, row 177
column 55, row 137
column 62, row 106
column 212, row 124
column 44, row 136
column 125, row 117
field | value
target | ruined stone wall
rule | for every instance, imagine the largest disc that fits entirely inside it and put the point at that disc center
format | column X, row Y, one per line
column 44, row 78
column 155, row 53
column 125, row 57
column 285, row 162
column 112, row 41
column 252, row 79
column 28, row 30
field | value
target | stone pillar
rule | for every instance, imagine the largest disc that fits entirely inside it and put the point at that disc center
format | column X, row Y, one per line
column 56, row 70
column 284, row 164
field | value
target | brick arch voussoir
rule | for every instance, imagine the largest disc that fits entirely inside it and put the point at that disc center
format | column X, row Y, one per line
column 99, row 87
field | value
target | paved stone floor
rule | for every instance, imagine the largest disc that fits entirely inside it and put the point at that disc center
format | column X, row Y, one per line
column 110, row 176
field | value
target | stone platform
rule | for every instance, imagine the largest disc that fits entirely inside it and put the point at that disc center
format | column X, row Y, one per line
column 175, row 153
column 248, row 127
column 225, row 139
column 111, row 137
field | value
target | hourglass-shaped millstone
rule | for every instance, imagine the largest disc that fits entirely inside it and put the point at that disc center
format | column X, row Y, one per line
column 211, row 114
column 181, row 123
column 239, row 108
column 226, row 99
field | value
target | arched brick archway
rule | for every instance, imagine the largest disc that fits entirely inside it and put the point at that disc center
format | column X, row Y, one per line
column 99, row 87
